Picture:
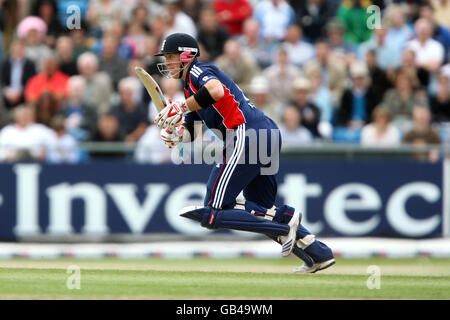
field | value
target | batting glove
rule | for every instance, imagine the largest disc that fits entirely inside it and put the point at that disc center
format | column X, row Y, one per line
column 172, row 138
column 172, row 115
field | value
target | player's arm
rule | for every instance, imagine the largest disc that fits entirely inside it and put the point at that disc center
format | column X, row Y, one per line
column 208, row 94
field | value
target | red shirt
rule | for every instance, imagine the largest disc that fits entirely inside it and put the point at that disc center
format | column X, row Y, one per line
column 232, row 14
column 56, row 84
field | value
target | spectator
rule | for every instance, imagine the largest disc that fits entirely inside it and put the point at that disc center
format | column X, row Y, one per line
column 387, row 56
column 16, row 70
column 151, row 149
column 211, row 35
column 398, row 31
column 274, row 17
column 333, row 73
column 292, row 131
column 299, row 51
column 172, row 91
column 101, row 12
column 421, row 134
column 442, row 12
column 379, row 79
column 354, row 16
column 178, row 21
column 45, row 108
column 429, row 52
column 281, row 76
column 312, row 16
column 132, row 117
column 98, row 84
column 262, row 97
column 323, row 98
column 80, row 41
column 64, row 50
column 24, row 139
column 159, row 26
column 232, row 13
column 239, row 66
column 440, row 102
column 380, row 133
column 401, row 99
column 309, row 112
column 81, row 118
column 110, row 62
column 154, row 9
column 339, row 47
column 439, row 32
column 64, row 148
column 47, row 11
column 192, row 8
column 417, row 72
column 151, row 47
column 357, row 102
column 262, row 51
column 50, row 79
column 136, row 30
column 108, row 130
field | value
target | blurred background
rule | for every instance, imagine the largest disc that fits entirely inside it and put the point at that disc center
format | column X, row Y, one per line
column 359, row 89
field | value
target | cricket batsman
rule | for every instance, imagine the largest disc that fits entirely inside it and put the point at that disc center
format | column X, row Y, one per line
column 213, row 98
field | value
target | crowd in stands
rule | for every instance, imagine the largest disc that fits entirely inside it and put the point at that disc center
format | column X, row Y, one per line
column 373, row 72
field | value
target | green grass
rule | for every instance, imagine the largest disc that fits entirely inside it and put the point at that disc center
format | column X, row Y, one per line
column 203, row 278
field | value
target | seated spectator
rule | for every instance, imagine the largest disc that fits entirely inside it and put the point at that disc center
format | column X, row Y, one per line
column 151, row 149
column 358, row 101
column 101, row 12
column 132, row 117
column 429, row 52
column 339, row 47
column 211, row 34
column 232, row 13
column 239, row 66
column 440, row 102
column 81, row 118
column 45, row 108
column 50, row 79
column 299, row 51
column 442, row 12
column 136, row 30
column 151, row 47
column 178, row 21
column 281, row 76
column 309, row 112
column 322, row 97
column 333, row 72
column 81, row 43
column 291, row 129
column 422, row 134
column 99, row 88
column 379, row 79
column 64, row 149
column 353, row 14
column 312, row 16
column 380, row 133
column 110, row 62
column 259, row 48
column 16, row 70
column 64, row 50
column 417, row 72
column 274, row 17
column 398, row 31
column 108, row 130
column 261, row 96
column 387, row 56
column 47, row 11
column 192, row 8
column 401, row 99
column 25, row 140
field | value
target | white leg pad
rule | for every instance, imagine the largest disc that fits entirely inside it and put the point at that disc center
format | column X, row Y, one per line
column 306, row 241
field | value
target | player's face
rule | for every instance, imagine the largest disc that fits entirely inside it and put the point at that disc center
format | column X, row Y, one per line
column 173, row 65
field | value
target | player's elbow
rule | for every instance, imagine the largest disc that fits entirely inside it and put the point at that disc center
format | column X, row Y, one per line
column 215, row 89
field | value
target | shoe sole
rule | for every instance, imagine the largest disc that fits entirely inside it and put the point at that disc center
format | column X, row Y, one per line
column 325, row 266
column 289, row 246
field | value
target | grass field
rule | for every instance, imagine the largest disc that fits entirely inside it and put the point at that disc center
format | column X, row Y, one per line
column 206, row 278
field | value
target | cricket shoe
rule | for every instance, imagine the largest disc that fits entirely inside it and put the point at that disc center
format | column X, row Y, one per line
column 288, row 241
column 315, row 267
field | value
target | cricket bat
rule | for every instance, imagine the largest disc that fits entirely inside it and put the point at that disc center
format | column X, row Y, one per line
column 152, row 87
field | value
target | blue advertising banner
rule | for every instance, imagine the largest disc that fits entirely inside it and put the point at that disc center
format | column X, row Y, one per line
column 338, row 198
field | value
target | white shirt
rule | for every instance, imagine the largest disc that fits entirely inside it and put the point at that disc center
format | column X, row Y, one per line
column 183, row 23
column 63, row 149
column 290, row 138
column 36, row 138
column 369, row 137
column 151, row 149
column 274, row 20
column 300, row 52
column 432, row 50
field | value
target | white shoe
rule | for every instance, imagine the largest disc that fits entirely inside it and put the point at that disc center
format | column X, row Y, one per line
column 288, row 241
column 315, row 267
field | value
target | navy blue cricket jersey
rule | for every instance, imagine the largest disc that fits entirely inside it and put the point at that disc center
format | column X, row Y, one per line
column 232, row 110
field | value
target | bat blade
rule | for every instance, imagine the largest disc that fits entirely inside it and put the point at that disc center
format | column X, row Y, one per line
column 152, row 87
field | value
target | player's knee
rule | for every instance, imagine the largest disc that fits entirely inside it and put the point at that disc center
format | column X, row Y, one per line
column 210, row 218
